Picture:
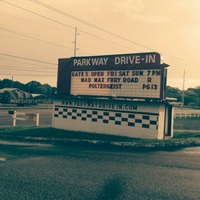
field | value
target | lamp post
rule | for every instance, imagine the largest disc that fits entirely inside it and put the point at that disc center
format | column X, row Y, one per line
column 183, row 93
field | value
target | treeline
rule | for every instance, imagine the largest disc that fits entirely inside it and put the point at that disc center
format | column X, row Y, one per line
column 190, row 97
column 31, row 87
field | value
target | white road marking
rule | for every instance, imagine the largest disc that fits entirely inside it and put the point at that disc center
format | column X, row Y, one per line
column 2, row 159
column 195, row 150
column 4, row 142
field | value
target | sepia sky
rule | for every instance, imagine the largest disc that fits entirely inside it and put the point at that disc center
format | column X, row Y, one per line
column 34, row 34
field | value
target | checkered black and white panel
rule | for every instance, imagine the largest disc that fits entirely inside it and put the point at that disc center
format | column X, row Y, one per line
column 133, row 119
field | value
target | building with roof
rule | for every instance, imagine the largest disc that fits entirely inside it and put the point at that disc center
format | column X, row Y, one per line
column 21, row 98
column 15, row 96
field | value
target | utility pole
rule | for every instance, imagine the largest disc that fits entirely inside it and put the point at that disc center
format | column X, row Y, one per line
column 75, row 41
column 12, row 82
column 183, row 93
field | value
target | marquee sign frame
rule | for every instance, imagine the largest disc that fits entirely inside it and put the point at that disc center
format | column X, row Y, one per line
column 98, row 71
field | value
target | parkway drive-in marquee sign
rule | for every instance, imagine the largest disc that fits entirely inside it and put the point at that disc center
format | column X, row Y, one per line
column 140, row 75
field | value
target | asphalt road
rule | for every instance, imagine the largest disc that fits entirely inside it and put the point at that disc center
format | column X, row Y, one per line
column 45, row 171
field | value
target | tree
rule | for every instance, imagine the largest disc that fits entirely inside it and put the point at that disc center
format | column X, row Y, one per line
column 45, row 89
column 6, row 83
column 189, row 97
column 33, row 86
column 173, row 92
column 196, row 98
column 21, row 86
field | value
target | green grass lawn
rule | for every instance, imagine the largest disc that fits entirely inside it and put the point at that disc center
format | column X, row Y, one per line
column 58, row 133
column 187, row 123
column 181, row 139
column 48, row 132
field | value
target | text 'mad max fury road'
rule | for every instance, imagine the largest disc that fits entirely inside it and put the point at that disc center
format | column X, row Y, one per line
column 140, row 75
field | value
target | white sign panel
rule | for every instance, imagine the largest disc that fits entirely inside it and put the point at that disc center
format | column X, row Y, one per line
column 144, row 83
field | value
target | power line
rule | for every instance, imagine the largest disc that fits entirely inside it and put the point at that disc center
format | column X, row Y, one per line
column 90, row 34
column 15, row 38
column 38, row 39
column 10, row 31
column 84, row 22
column 19, row 18
column 82, row 31
column 27, row 74
column 27, row 59
column 36, row 65
column 96, row 27
column 22, row 69
column 87, row 23
column 181, row 59
column 23, row 38
column 65, row 25
column 36, row 14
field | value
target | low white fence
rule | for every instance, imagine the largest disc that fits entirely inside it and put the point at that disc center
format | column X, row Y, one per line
column 186, row 113
column 24, row 117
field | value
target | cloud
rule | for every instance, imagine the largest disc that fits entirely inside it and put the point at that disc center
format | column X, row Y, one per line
column 151, row 19
column 137, row 10
column 129, row 6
